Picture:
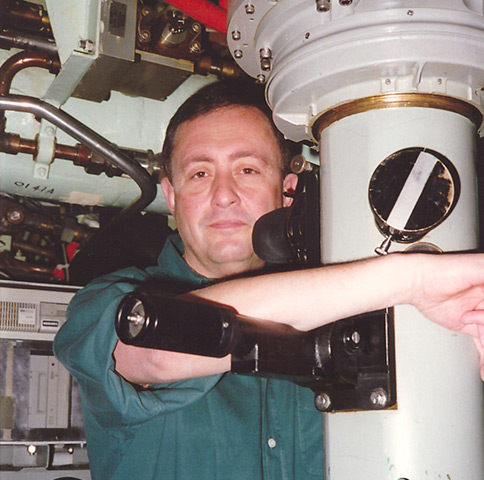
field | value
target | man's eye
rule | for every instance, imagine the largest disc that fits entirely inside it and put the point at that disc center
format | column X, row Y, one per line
column 200, row 174
column 248, row 171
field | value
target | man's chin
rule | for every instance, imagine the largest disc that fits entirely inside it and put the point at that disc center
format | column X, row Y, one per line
column 236, row 260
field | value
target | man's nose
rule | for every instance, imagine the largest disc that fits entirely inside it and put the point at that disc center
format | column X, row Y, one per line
column 224, row 191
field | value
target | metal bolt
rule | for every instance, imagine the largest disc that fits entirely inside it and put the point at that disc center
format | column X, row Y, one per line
column 32, row 449
column 410, row 13
column 235, row 35
column 356, row 337
column 145, row 11
column 86, row 45
column 136, row 319
column 238, row 54
column 145, row 35
column 261, row 78
column 249, row 9
column 196, row 27
column 196, row 47
column 265, row 58
column 379, row 398
column 323, row 5
column 15, row 216
column 322, row 402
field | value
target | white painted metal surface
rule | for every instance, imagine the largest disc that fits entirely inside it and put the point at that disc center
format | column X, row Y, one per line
column 437, row 430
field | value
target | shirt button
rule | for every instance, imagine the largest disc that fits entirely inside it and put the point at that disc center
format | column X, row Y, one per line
column 271, row 442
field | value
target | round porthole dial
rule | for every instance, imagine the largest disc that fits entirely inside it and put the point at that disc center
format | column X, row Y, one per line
column 411, row 192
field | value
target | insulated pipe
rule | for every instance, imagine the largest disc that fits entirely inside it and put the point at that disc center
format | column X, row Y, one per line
column 94, row 141
column 204, row 12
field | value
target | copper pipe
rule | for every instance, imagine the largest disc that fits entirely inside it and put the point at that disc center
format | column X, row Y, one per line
column 15, row 64
column 11, row 265
column 13, row 144
column 22, row 60
column 27, row 247
column 28, row 16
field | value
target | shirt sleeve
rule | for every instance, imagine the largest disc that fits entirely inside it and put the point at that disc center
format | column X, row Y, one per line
column 85, row 345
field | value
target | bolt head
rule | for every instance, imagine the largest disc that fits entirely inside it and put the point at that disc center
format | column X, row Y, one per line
column 249, row 9
column 322, row 402
column 379, row 398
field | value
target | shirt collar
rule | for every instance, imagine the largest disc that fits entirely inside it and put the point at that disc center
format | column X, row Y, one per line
column 173, row 264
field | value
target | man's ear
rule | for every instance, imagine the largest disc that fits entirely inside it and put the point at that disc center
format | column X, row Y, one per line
column 288, row 185
column 169, row 193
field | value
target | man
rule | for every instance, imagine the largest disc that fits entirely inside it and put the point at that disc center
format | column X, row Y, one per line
column 152, row 414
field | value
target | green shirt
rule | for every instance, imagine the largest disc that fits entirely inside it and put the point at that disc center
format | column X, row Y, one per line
column 227, row 427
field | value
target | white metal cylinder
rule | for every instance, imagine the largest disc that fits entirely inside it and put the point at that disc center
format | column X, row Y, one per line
column 436, row 431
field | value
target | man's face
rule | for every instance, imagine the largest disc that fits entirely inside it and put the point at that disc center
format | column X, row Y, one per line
column 226, row 174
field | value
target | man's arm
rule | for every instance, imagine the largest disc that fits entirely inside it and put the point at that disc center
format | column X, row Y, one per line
column 447, row 289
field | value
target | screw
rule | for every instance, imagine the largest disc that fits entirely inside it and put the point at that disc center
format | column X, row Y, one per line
column 145, row 35
column 86, row 45
column 145, row 11
column 249, row 9
column 196, row 27
column 261, row 78
column 323, row 5
column 238, row 54
column 379, row 398
column 235, row 35
column 322, row 402
column 410, row 13
column 15, row 216
column 196, row 47
column 136, row 319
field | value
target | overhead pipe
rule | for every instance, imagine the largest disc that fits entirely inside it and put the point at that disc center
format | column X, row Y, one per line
column 92, row 140
column 23, row 60
column 205, row 12
column 19, row 62
column 25, row 41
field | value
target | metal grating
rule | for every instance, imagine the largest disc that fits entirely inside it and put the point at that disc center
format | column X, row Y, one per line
column 18, row 316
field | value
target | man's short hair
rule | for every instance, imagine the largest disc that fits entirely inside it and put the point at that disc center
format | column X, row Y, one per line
column 215, row 96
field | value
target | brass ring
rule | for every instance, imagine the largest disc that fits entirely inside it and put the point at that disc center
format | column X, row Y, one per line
column 395, row 100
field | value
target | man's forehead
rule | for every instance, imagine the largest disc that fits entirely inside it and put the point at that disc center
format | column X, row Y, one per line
column 192, row 126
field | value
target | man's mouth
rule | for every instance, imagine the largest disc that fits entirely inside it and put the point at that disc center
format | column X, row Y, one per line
column 227, row 224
